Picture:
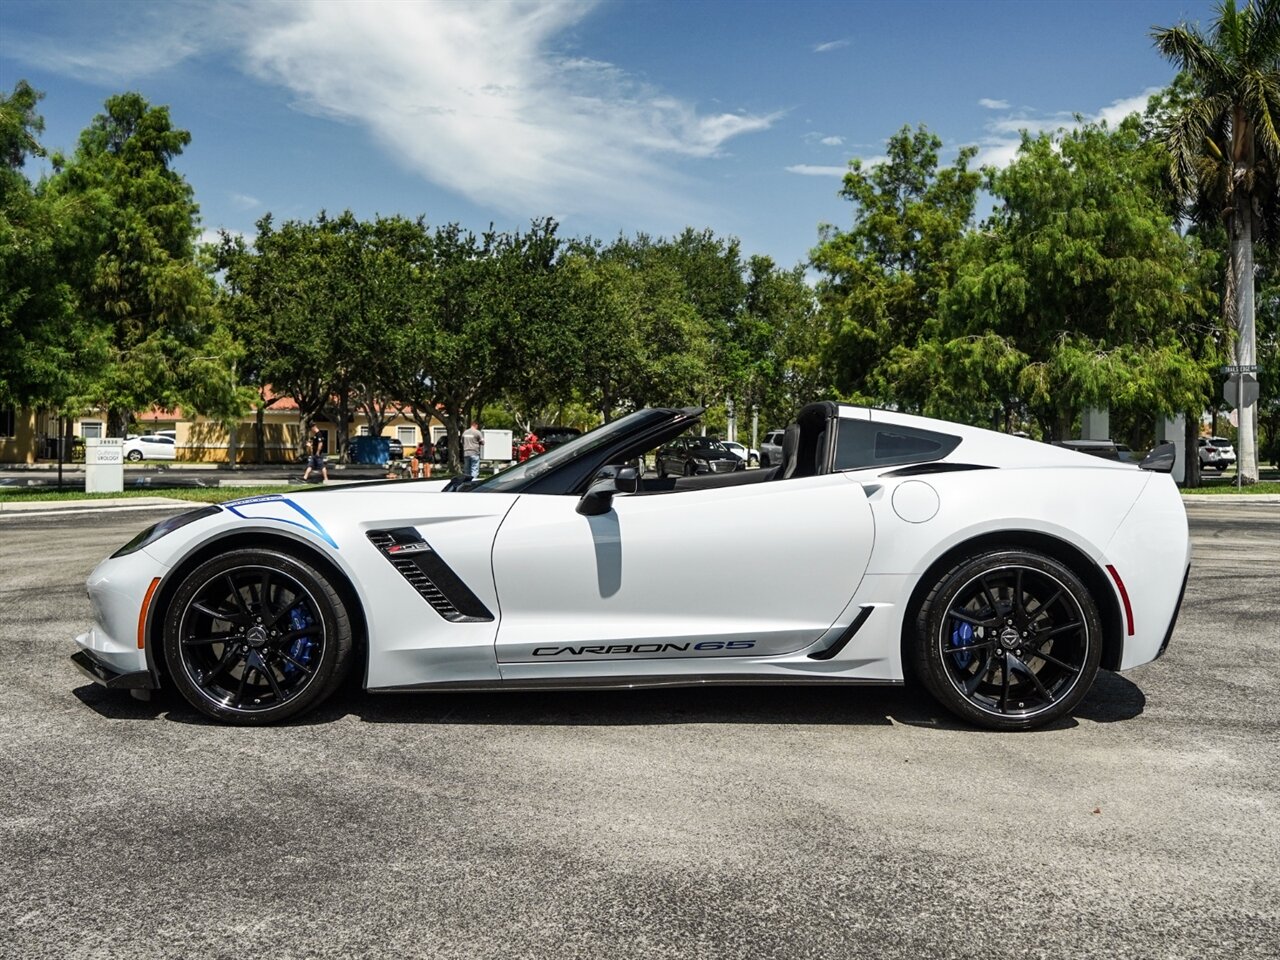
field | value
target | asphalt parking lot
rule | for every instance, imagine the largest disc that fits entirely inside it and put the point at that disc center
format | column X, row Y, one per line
column 686, row 823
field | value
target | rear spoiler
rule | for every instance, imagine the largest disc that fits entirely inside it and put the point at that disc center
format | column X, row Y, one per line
column 1161, row 459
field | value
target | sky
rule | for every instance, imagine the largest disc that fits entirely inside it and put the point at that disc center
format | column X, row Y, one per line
column 613, row 117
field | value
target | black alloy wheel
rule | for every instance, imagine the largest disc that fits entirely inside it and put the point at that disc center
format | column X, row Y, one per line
column 256, row 636
column 1009, row 640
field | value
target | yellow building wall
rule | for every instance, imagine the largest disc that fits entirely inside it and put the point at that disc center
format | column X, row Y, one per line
column 207, row 441
column 21, row 447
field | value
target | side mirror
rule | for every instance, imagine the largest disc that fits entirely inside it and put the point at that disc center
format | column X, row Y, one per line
column 599, row 496
column 1160, row 460
column 627, row 479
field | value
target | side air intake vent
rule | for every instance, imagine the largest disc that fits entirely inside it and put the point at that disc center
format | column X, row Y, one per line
column 427, row 573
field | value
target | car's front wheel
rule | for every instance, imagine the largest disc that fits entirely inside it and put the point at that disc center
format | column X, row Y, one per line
column 1009, row 639
column 256, row 636
column 133, row 455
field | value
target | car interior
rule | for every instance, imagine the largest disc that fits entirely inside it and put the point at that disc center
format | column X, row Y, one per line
column 805, row 453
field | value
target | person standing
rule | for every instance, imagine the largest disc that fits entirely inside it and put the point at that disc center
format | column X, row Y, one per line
column 472, row 441
column 318, row 446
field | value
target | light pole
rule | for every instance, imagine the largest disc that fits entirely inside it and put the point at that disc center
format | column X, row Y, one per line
column 733, row 423
column 755, row 425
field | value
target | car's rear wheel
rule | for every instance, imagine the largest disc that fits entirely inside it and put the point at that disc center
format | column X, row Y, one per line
column 256, row 636
column 1009, row 640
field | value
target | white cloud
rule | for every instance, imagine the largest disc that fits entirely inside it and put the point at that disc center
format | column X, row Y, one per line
column 830, row 45
column 993, row 104
column 215, row 236
column 832, row 141
column 244, row 201
column 1119, row 109
column 812, row 170
column 124, row 57
column 475, row 97
column 1000, row 146
column 809, row 170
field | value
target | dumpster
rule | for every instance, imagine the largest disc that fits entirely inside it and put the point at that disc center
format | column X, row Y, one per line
column 371, row 450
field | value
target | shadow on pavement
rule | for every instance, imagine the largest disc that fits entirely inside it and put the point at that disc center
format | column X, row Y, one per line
column 1113, row 698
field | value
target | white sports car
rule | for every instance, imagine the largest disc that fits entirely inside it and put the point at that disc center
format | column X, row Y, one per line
column 1000, row 571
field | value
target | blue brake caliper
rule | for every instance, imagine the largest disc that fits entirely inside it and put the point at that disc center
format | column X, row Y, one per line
column 962, row 636
column 302, row 648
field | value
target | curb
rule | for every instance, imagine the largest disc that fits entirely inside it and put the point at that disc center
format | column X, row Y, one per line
column 28, row 507
column 1231, row 497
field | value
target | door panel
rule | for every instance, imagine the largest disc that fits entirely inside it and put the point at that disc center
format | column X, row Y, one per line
column 754, row 570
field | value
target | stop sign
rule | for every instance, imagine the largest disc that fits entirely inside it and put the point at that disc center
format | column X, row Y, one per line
column 1241, row 390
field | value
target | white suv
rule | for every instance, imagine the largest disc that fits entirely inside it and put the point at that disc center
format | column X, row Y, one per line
column 771, row 448
column 1216, row 453
column 150, row 447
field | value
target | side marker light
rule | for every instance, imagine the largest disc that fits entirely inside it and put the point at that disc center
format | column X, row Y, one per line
column 1124, row 595
column 142, row 614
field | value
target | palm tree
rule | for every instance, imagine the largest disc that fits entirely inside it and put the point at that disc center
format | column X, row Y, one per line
column 1224, row 146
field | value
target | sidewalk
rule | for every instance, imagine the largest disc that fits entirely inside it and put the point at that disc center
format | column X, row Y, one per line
column 36, row 508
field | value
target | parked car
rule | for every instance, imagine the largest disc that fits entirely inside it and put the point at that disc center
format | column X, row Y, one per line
column 1105, row 449
column 771, row 448
column 690, row 456
column 742, row 452
column 1022, row 569
column 1216, row 453
column 150, row 446
column 552, row 437
column 395, row 448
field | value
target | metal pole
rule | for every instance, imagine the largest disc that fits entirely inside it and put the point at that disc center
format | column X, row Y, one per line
column 755, row 426
column 61, row 434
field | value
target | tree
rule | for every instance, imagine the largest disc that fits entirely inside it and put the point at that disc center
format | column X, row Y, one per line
column 46, row 345
column 1224, row 147
column 778, row 342
column 146, row 304
column 643, row 342
column 1078, row 291
column 885, row 276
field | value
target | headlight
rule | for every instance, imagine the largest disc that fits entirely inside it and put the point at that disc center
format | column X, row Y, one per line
column 156, row 531
column 700, row 462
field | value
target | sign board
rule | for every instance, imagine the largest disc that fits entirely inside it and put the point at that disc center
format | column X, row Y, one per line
column 1236, row 368
column 1241, row 390
column 103, row 465
column 497, row 446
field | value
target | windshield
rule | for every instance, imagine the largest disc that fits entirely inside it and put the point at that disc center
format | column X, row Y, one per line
column 535, row 467
column 708, row 443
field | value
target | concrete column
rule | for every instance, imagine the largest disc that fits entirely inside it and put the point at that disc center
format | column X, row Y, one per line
column 1174, row 430
column 1095, row 424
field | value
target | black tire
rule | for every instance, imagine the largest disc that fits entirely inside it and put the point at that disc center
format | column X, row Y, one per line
column 133, row 456
column 764, row 460
column 690, row 469
column 1010, row 640
column 256, row 636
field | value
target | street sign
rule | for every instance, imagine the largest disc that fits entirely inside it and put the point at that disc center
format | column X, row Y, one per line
column 1241, row 390
column 1239, row 368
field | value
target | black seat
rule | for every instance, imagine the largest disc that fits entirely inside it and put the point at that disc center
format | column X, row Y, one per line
column 790, row 452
